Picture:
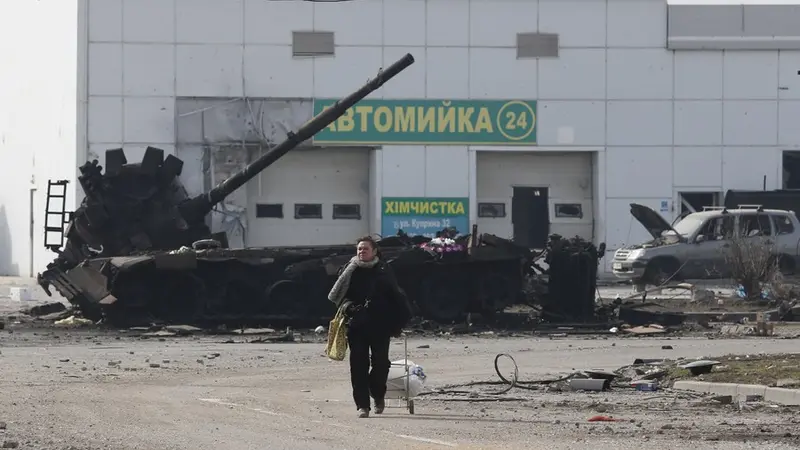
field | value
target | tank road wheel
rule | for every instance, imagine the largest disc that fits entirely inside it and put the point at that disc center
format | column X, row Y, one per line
column 786, row 265
column 283, row 297
column 495, row 294
column 206, row 244
column 181, row 298
column 444, row 297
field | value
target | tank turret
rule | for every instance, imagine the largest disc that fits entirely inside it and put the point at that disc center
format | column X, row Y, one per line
column 135, row 208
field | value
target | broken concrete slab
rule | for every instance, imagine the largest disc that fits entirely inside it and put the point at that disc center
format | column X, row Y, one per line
column 781, row 396
column 787, row 383
column 737, row 330
column 588, row 384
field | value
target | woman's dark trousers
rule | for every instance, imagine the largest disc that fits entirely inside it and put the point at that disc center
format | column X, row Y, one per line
column 368, row 383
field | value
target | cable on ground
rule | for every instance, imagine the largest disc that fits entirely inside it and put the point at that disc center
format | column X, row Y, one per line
column 514, row 382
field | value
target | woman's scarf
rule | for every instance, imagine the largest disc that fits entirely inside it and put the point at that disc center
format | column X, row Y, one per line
column 343, row 282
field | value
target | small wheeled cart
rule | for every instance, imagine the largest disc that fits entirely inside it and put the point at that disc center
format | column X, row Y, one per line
column 402, row 384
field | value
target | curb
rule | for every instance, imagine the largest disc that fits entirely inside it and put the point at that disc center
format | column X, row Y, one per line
column 781, row 396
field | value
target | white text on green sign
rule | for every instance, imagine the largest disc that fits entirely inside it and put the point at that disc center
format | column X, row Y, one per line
column 424, row 206
column 432, row 122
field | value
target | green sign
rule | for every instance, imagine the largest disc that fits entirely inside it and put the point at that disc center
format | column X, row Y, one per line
column 423, row 215
column 431, row 122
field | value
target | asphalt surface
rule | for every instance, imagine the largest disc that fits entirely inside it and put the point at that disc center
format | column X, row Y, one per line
column 91, row 389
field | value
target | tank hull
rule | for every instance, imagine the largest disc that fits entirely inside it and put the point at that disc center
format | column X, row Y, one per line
column 278, row 286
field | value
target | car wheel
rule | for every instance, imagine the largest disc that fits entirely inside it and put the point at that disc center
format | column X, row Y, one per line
column 660, row 271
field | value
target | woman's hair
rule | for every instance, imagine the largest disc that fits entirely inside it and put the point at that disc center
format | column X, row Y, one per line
column 372, row 244
column 369, row 239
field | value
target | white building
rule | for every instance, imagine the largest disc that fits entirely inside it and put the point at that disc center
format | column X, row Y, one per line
column 579, row 107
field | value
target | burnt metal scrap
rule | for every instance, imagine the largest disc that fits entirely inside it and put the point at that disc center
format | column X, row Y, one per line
column 133, row 215
column 138, row 250
column 283, row 285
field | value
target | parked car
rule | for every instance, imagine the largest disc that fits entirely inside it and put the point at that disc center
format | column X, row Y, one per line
column 697, row 246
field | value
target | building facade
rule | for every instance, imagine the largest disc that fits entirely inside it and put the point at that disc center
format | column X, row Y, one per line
column 524, row 117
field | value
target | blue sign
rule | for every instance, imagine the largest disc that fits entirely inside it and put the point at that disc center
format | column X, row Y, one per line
column 423, row 215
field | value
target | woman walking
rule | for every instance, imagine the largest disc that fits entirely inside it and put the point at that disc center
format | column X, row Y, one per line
column 375, row 309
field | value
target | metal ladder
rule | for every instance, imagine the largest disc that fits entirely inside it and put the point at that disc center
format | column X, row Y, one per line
column 55, row 214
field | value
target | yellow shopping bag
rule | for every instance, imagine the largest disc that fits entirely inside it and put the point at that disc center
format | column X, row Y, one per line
column 337, row 337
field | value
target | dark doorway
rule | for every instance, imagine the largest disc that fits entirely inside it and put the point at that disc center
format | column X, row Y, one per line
column 530, row 215
column 791, row 170
column 695, row 201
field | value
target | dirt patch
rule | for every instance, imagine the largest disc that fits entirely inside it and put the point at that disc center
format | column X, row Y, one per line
column 770, row 370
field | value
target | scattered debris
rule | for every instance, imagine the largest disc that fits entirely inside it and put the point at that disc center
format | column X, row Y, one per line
column 183, row 330
column 645, row 385
column 589, row 384
column 45, row 309
column 699, row 367
column 722, row 399
column 748, row 369
column 73, row 321
column 603, row 419
column 645, row 330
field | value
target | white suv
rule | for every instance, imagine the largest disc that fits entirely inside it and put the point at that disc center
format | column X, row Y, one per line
column 695, row 246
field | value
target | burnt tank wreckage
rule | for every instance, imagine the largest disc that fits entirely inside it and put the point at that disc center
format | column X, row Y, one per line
column 138, row 250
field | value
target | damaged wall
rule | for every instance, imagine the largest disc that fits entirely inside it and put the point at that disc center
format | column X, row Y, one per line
column 218, row 137
column 38, row 116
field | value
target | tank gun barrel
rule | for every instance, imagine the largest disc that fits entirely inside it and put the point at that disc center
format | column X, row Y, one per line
column 312, row 127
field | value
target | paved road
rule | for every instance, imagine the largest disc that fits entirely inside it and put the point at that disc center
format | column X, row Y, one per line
column 62, row 389
column 91, row 390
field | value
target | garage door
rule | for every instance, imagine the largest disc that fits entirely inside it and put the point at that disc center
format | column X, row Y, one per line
column 527, row 196
column 310, row 197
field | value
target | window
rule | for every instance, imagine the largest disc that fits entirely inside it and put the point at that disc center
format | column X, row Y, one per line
column 491, row 209
column 347, row 211
column 717, row 229
column 783, row 224
column 569, row 210
column 751, row 225
column 308, row 211
column 312, row 43
column 269, row 210
column 537, row 45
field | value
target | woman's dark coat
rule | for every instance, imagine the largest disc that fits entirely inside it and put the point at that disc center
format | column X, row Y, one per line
column 374, row 301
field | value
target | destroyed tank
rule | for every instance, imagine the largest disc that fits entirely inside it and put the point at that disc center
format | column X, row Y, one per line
column 138, row 250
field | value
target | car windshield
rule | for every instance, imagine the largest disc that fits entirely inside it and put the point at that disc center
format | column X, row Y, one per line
column 688, row 225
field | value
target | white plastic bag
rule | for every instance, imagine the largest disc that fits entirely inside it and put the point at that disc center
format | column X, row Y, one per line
column 398, row 381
